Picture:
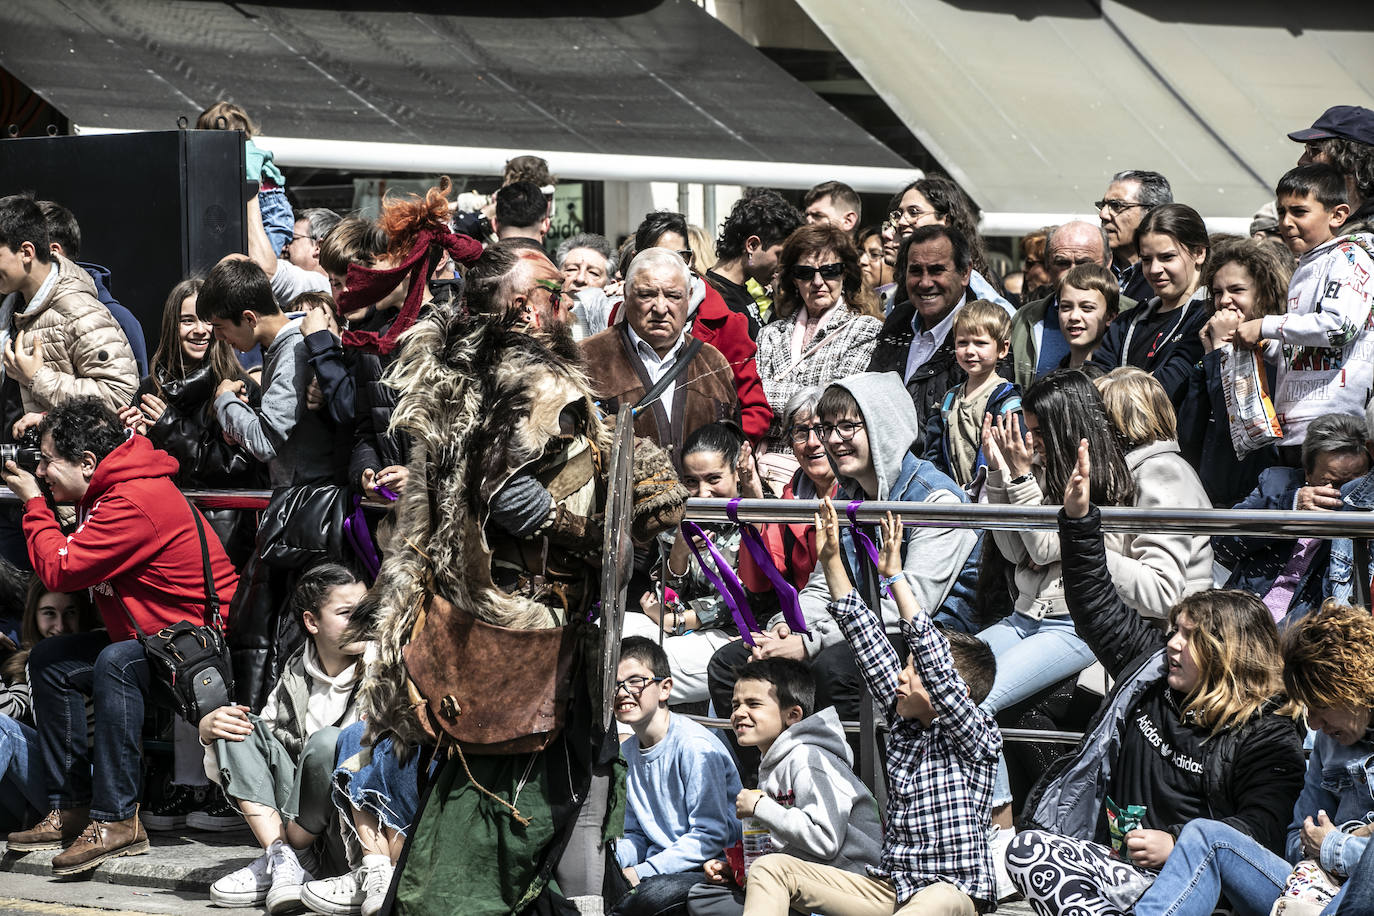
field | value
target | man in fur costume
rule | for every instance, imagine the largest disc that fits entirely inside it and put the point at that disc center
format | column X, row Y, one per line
column 500, row 526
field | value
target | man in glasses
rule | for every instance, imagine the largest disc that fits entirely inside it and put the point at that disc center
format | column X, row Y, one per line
column 1129, row 197
column 1037, row 344
column 711, row 321
column 311, row 227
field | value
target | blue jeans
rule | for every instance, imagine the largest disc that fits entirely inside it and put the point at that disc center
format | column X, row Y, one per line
column 1209, row 859
column 21, row 773
column 63, row 671
column 372, row 779
column 659, row 895
column 1357, row 895
column 277, row 218
column 1031, row 656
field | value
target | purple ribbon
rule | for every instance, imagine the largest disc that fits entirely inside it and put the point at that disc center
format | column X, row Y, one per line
column 727, row 582
column 355, row 529
column 863, row 540
column 787, row 593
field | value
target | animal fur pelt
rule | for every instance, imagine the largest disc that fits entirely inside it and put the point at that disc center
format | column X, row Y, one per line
column 480, row 397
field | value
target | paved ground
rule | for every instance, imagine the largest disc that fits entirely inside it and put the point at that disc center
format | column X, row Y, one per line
column 170, row 879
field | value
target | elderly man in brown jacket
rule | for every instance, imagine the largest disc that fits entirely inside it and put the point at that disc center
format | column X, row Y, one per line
column 626, row 360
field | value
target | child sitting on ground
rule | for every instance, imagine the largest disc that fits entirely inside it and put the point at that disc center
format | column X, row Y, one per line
column 941, row 760
column 813, row 805
column 277, row 765
column 678, row 792
column 954, row 433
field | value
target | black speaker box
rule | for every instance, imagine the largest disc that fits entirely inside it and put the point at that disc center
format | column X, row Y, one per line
column 154, row 207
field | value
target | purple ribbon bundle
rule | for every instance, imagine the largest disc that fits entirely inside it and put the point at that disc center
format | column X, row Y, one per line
column 863, row 540
column 787, row 593
column 360, row 538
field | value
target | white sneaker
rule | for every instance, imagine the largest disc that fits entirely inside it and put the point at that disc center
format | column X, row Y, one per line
column 246, row 886
column 288, row 877
column 999, row 838
column 376, row 882
column 339, row 896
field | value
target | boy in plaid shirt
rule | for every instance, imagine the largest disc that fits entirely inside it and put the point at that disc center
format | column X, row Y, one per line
column 941, row 759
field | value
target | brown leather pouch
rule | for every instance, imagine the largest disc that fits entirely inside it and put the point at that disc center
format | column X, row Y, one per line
column 492, row 689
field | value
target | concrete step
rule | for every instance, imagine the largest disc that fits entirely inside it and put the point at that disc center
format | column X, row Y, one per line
column 184, row 863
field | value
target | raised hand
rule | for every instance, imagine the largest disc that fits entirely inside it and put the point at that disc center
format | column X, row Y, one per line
column 1015, row 446
column 827, row 532
column 890, row 557
column 1077, row 492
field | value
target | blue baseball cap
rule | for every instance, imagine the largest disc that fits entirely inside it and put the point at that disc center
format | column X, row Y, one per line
column 1345, row 122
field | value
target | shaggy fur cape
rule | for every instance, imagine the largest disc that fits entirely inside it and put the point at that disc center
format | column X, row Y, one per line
column 480, row 398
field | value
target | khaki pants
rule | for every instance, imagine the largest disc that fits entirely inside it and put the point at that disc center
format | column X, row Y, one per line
column 779, row 882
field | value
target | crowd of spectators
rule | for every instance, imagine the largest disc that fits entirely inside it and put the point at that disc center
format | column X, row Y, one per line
column 804, row 354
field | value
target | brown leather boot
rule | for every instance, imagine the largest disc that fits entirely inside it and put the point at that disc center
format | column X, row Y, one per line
column 53, row 832
column 101, row 840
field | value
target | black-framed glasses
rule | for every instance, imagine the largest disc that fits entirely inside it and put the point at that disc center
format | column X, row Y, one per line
column 845, row 429
column 804, row 272
column 1116, row 205
column 636, row 685
column 297, row 238
column 801, row 434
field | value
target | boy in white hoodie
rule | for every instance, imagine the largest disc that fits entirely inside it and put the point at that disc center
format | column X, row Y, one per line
column 813, row 805
column 277, row 765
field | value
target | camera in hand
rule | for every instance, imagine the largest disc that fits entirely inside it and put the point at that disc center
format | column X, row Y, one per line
column 26, row 453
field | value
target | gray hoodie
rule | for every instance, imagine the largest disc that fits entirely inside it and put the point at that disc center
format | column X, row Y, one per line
column 933, row 558
column 814, row 806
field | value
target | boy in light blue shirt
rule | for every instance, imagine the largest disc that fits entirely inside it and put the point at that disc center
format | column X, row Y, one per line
column 680, row 790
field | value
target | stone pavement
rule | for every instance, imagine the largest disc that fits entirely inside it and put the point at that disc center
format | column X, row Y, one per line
column 172, row 878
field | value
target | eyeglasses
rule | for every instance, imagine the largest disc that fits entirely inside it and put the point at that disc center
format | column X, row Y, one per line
column 297, row 238
column 910, row 215
column 634, row 686
column 1116, row 205
column 845, row 428
column 800, row 434
column 804, row 272
column 687, row 255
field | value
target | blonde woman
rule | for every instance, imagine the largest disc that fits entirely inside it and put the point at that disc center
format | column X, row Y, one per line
column 1191, row 730
column 1158, row 569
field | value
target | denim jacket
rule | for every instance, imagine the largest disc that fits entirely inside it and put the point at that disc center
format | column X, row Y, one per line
column 1337, row 782
column 1340, row 582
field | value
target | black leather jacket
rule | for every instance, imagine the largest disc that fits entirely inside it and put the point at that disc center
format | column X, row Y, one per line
column 190, row 432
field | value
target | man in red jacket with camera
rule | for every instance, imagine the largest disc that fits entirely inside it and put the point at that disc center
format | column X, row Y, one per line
column 137, row 548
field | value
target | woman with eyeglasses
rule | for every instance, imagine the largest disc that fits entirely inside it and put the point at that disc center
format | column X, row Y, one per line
column 936, row 199
column 828, row 324
column 877, row 272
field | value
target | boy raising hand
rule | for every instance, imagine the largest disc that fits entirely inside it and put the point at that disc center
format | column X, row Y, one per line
column 941, row 760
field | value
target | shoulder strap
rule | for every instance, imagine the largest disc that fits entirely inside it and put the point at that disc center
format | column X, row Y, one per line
column 211, row 596
column 685, row 357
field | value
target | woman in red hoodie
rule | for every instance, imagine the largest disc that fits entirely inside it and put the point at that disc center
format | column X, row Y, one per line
column 137, row 548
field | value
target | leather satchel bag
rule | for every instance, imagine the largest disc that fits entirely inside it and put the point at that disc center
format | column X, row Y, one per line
column 188, row 664
column 492, row 689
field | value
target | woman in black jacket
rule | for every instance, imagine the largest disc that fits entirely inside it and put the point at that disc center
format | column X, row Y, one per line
column 174, row 408
column 1191, row 730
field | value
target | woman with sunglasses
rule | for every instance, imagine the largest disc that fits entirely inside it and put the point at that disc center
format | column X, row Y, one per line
column 827, row 326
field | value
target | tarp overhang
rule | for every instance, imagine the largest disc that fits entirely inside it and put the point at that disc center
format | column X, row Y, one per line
column 343, row 83
column 1033, row 106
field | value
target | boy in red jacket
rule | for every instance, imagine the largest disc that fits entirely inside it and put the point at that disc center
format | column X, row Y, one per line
column 137, row 548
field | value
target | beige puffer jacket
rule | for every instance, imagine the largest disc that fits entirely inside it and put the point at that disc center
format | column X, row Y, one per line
column 85, row 352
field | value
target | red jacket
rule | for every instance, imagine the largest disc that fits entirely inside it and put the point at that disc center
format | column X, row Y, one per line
column 137, row 539
column 728, row 331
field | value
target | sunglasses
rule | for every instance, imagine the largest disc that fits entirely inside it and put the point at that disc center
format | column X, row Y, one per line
column 804, row 272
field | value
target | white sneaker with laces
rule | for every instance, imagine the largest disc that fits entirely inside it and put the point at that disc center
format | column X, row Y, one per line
column 999, row 838
column 376, row 882
column 339, row 896
column 245, row 886
column 288, row 877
